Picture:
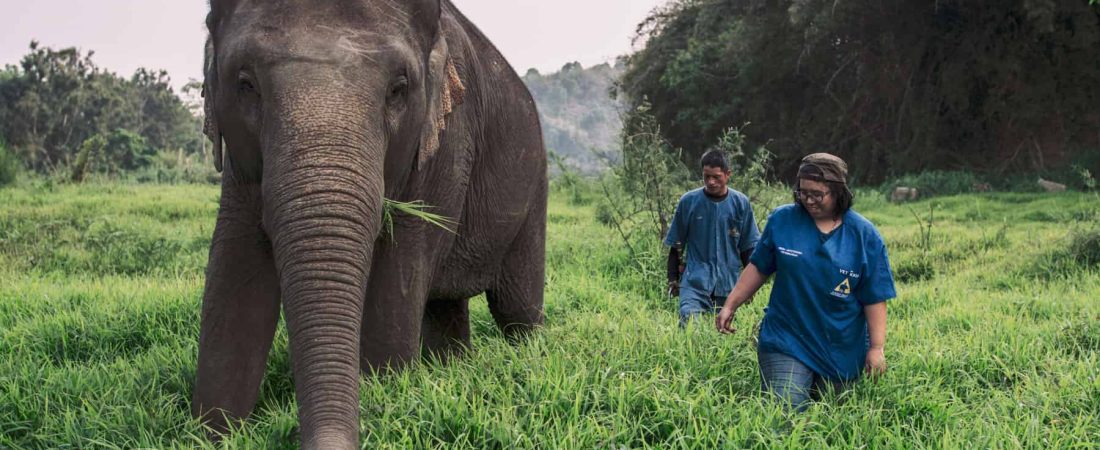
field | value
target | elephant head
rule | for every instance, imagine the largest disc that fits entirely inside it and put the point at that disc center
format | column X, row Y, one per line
column 327, row 107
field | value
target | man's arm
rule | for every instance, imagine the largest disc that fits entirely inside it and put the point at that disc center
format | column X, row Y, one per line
column 674, row 270
column 745, row 255
column 750, row 234
column 674, row 238
column 674, row 263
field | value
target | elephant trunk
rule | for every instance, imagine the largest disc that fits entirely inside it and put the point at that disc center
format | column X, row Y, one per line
column 323, row 204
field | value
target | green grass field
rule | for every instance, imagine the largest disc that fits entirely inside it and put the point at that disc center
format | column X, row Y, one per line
column 994, row 340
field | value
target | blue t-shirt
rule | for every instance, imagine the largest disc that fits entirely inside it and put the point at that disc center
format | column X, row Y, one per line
column 815, row 313
column 715, row 234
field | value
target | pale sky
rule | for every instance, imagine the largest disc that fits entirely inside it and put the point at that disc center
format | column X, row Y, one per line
column 169, row 34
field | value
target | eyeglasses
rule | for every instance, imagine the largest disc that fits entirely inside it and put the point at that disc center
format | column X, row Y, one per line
column 816, row 196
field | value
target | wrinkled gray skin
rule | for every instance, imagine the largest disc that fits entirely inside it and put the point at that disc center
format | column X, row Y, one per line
column 326, row 108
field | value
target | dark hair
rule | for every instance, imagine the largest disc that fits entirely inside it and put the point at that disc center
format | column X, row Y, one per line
column 839, row 191
column 715, row 158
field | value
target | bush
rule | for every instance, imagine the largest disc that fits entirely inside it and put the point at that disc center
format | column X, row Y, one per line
column 171, row 167
column 918, row 268
column 604, row 214
column 935, row 183
column 177, row 175
column 1084, row 248
column 9, row 165
column 125, row 150
column 1080, row 337
column 1081, row 251
column 91, row 148
column 566, row 179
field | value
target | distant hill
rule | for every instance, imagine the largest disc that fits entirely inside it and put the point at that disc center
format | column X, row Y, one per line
column 577, row 112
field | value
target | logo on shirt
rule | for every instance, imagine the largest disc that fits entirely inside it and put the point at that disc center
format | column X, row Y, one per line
column 843, row 289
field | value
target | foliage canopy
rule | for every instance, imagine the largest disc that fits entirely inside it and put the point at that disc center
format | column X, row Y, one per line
column 897, row 86
column 56, row 100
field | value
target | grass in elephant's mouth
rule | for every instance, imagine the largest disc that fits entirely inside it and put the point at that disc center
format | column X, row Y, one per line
column 416, row 209
column 99, row 314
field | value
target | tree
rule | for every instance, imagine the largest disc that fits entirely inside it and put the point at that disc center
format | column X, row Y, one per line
column 897, row 86
column 165, row 121
column 9, row 165
column 43, row 103
column 126, row 150
column 91, row 147
column 55, row 100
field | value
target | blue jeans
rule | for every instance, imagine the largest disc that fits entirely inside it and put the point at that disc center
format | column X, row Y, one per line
column 694, row 304
column 792, row 382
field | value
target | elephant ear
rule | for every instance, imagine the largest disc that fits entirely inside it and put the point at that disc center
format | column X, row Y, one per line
column 445, row 92
column 209, row 94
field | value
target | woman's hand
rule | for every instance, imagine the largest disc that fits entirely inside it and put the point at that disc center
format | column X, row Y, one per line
column 747, row 284
column 724, row 321
column 875, row 363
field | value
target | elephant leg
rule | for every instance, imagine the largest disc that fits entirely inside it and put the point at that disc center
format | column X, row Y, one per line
column 516, row 299
column 394, row 309
column 240, row 309
column 390, row 336
column 445, row 333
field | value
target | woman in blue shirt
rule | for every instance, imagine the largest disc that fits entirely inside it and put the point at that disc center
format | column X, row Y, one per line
column 825, row 322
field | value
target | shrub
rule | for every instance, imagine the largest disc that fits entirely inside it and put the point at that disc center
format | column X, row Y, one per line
column 1084, row 248
column 566, row 179
column 935, row 183
column 9, row 165
column 176, row 167
column 1080, row 337
column 91, row 147
column 918, row 268
column 1081, row 251
column 604, row 214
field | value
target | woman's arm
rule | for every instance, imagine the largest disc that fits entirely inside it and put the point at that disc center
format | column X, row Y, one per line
column 875, row 363
column 747, row 284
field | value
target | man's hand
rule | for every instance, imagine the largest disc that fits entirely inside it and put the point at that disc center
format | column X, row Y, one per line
column 724, row 321
column 673, row 288
column 875, row 363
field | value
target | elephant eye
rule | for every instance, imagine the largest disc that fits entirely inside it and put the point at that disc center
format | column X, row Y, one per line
column 245, row 84
column 398, row 89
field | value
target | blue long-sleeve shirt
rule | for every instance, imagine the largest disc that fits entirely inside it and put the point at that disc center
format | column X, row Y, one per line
column 715, row 233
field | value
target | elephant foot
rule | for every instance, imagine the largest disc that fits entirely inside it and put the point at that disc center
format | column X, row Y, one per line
column 218, row 423
column 445, row 333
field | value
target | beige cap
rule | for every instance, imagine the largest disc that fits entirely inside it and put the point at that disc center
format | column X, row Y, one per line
column 832, row 168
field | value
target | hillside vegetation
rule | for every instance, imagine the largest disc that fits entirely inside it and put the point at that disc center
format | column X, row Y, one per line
column 580, row 120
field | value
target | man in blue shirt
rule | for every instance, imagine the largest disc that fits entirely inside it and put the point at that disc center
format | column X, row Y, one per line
column 715, row 229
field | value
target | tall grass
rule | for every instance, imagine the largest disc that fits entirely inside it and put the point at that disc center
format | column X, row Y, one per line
column 99, row 313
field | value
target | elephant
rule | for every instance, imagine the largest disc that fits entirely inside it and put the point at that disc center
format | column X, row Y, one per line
column 319, row 111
